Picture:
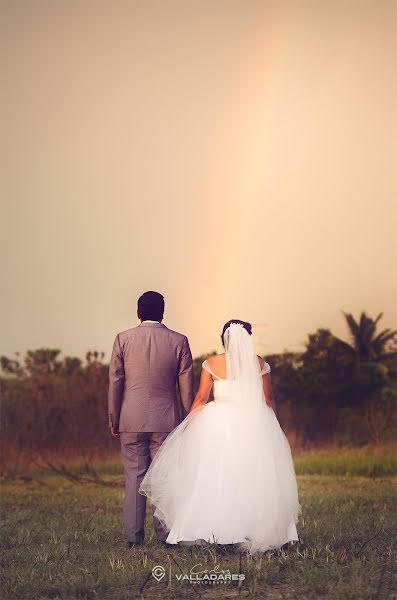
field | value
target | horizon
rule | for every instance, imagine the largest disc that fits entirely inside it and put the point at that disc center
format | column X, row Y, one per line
column 256, row 336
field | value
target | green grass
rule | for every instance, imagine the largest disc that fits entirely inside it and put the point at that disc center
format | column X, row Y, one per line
column 367, row 461
column 64, row 540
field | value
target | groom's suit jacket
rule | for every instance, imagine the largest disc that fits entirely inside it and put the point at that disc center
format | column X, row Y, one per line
column 147, row 363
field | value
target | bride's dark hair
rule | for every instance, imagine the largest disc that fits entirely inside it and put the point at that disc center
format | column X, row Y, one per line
column 246, row 326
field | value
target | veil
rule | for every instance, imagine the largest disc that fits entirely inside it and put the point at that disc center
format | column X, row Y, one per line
column 242, row 367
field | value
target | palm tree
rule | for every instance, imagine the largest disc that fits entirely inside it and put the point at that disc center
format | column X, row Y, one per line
column 366, row 344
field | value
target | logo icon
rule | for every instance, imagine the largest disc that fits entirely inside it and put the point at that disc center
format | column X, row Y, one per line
column 158, row 572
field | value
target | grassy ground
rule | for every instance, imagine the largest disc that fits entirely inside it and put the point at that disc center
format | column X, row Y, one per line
column 62, row 539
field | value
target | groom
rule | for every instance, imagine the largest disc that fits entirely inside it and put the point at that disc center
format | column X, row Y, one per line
column 146, row 364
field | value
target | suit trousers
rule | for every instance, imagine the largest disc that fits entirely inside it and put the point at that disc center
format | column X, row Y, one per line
column 137, row 452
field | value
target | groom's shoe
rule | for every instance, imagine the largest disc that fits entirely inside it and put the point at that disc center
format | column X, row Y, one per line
column 133, row 544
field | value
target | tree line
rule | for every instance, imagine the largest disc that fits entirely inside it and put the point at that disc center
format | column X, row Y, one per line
column 334, row 391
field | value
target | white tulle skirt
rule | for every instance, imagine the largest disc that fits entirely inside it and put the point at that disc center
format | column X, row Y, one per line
column 225, row 475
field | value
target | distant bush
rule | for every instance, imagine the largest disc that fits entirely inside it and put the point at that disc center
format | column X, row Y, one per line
column 54, row 405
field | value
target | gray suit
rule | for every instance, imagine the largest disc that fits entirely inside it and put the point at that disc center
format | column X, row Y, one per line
column 147, row 363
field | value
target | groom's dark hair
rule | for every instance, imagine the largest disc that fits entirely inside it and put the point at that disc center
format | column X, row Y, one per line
column 247, row 327
column 151, row 306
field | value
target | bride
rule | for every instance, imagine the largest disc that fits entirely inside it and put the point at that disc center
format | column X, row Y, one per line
column 225, row 474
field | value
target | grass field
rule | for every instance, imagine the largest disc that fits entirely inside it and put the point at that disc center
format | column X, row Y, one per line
column 62, row 539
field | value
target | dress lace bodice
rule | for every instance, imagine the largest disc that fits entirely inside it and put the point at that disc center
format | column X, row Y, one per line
column 222, row 386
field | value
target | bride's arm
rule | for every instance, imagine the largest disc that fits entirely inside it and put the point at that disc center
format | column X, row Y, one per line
column 267, row 389
column 203, row 392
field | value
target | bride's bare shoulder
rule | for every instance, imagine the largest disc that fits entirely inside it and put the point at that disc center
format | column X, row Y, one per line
column 215, row 359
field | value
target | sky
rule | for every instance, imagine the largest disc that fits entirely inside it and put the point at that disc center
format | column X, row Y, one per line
column 238, row 157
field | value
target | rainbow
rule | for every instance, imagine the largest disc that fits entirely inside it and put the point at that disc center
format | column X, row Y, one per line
column 242, row 139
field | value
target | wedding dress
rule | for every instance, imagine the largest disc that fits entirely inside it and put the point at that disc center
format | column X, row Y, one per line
column 225, row 474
